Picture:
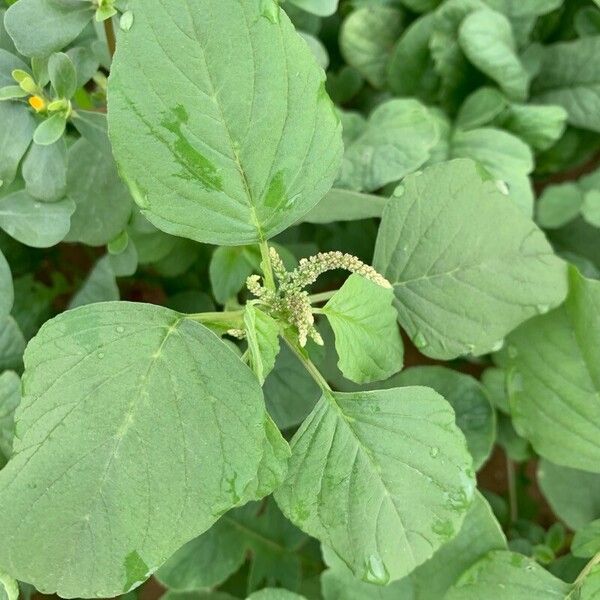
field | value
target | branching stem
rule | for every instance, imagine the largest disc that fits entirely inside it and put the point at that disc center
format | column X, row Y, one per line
column 308, row 365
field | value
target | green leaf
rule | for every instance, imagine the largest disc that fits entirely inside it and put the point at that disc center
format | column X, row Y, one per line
column 554, row 379
column 517, row 9
column 12, row 92
column 540, row 126
column 10, row 396
column 367, row 37
column 99, row 286
column 273, row 465
column 322, row 8
column 396, row 141
column 367, row 339
column 102, row 202
column 574, row 495
column 262, row 332
column 228, row 121
column 590, row 209
column 40, row 27
column 503, row 155
column 570, row 79
column 486, row 37
column 586, row 542
column 97, row 382
column 36, row 224
column 277, row 551
column 290, row 392
column 17, row 125
column 12, row 344
column 508, row 576
column 51, row 130
column 410, row 69
column 229, row 268
column 63, row 75
column 93, row 127
column 45, row 171
column 466, row 265
column 383, row 478
column 9, row 587
column 7, row 296
column 589, row 588
column 481, row 108
column 479, row 534
column 474, row 414
column 559, row 205
column 346, row 205
column 275, row 594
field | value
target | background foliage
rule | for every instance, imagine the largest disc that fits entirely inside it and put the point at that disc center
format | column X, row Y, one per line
column 463, row 151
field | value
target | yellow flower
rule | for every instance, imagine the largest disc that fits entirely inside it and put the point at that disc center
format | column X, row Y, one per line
column 37, row 103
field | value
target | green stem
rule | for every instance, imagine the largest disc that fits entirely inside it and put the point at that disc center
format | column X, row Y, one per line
column 217, row 317
column 266, row 266
column 110, row 36
column 512, row 490
column 308, row 365
column 322, row 297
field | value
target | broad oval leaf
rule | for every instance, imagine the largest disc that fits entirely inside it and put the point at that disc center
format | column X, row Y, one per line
column 102, row 202
column 466, row 265
column 45, row 171
column 474, row 413
column 383, row 478
column 479, row 534
column 138, row 428
column 7, row 294
column 34, row 223
column 487, row 39
column 574, row 495
column 17, row 125
column 367, row 339
column 219, row 119
column 367, row 38
column 503, row 575
column 40, row 27
column 395, row 141
column 554, row 379
column 570, row 79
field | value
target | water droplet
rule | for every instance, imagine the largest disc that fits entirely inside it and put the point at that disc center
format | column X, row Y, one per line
column 100, row 355
column 120, row 329
column 434, row 451
column 542, row 309
column 513, row 352
column 270, row 10
column 375, row 571
column 126, row 20
column 497, row 346
column 419, row 340
column 399, row 191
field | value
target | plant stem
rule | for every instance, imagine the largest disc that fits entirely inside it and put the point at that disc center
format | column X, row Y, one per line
column 308, row 365
column 110, row 36
column 216, row 317
column 322, row 297
column 266, row 266
column 512, row 490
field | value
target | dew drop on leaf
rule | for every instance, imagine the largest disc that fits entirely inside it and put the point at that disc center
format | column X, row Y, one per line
column 434, row 451
column 420, row 341
column 100, row 355
column 120, row 329
column 270, row 10
column 375, row 571
column 542, row 309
